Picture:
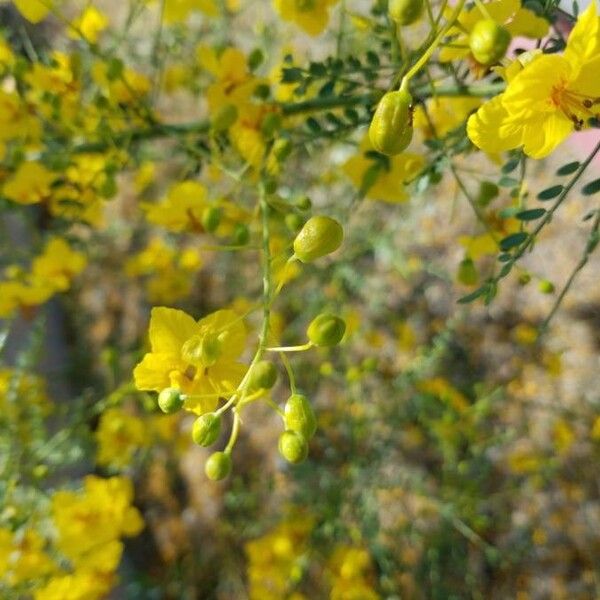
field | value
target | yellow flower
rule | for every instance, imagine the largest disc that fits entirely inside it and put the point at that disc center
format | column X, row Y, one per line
column 350, row 571
column 181, row 210
column 22, row 557
column 547, row 100
column 198, row 357
column 90, row 523
column 119, row 436
column 33, row 10
column 91, row 23
column 16, row 122
column 310, row 15
column 391, row 175
column 30, row 184
column 58, row 264
column 509, row 13
column 176, row 11
column 84, row 584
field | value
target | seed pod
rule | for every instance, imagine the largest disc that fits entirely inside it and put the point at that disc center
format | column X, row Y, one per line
column 206, row 429
column 320, row 236
column 293, row 447
column 326, row 330
column 299, row 416
column 218, row 466
column 262, row 376
column 211, row 218
column 489, row 41
column 170, row 400
column 391, row 129
column 405, row 12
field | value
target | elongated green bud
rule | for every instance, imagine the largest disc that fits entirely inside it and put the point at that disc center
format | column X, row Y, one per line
column 170, row 400
column 326, row 330
column 391, row 129
column 320, row 236
column 405, row 12
column 206, row 429
column 211, row 218
column 263, row 376
column 489, row 41
column 299, row 416
column 293, row 447
column 218, row 466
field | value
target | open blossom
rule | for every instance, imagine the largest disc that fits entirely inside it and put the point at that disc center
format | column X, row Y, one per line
column 552, row 96
column 197, row 357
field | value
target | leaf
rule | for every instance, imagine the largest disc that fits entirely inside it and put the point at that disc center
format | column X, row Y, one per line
column 510, row 166
column 513, row 240
column 369, row 178
column 327, row 89
column 291, row 75
column 568, row 168
column 531, row 215
column 474, row 295
column 550, row 192
column 508, row 182
column 372, row 58
column 593, row 187
column 313, row 125
column 317, row 69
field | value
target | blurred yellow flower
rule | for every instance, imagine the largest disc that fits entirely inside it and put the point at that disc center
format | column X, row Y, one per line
column 119, row 436
column 34, row 10
column 310, row 15
column 90, row 24
column 30, row 184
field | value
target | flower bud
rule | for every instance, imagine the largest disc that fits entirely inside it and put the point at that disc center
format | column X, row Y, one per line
column 224, row 118
column 320, row 236
column 489, row 41
column 467, row 273
column 170, row 400
column 241, row 234
column 299, row 416
column 206, row 429
column 211, row 218
column 218, row 466
column 262, row 376
column 293, row 447
column 546, row 287
column 405, row 12
column 294, row 222
column 391, row 129
column 326, row 330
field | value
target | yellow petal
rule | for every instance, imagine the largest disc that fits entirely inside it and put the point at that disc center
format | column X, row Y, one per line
column 33, row 10
column 170, row 329
column 584, row 40
column 527, row 23
column 484, row 128
column 152, row 373
column 230, row 329
column 541, row 138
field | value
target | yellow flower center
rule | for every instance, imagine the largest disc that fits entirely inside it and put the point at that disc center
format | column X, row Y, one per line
column 576, row 107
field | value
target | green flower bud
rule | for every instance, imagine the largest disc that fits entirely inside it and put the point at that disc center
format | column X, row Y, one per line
column 294, row 222
column 206, row 429
column 211, row 218
column 202, row 351
column 299, row 416
column 241, row 234
column 282, row 148
column 303, row 203
column 405, row 12
column 489, row 41
column 224, row 118
column 546, row 287
column 293, row 447
column 218, row 466
column 467, row 273
column 391, row 129
column 263, row 376
column 524, row 278
column 170, row 400
column 319, row 236
column 326, row 330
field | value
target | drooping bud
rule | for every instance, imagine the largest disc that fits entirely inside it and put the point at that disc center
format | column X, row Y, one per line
column 206, row 429
column 405, row 12
column 211, row 218
column 320, row 236
column 170, row 400
column 489, row 41
column 326, row 330
column 262, row 376
column 218, row 466
column 293, row 447
column 391, row 129
column 299, row 416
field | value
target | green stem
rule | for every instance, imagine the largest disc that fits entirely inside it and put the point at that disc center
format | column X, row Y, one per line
column 290, row 372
